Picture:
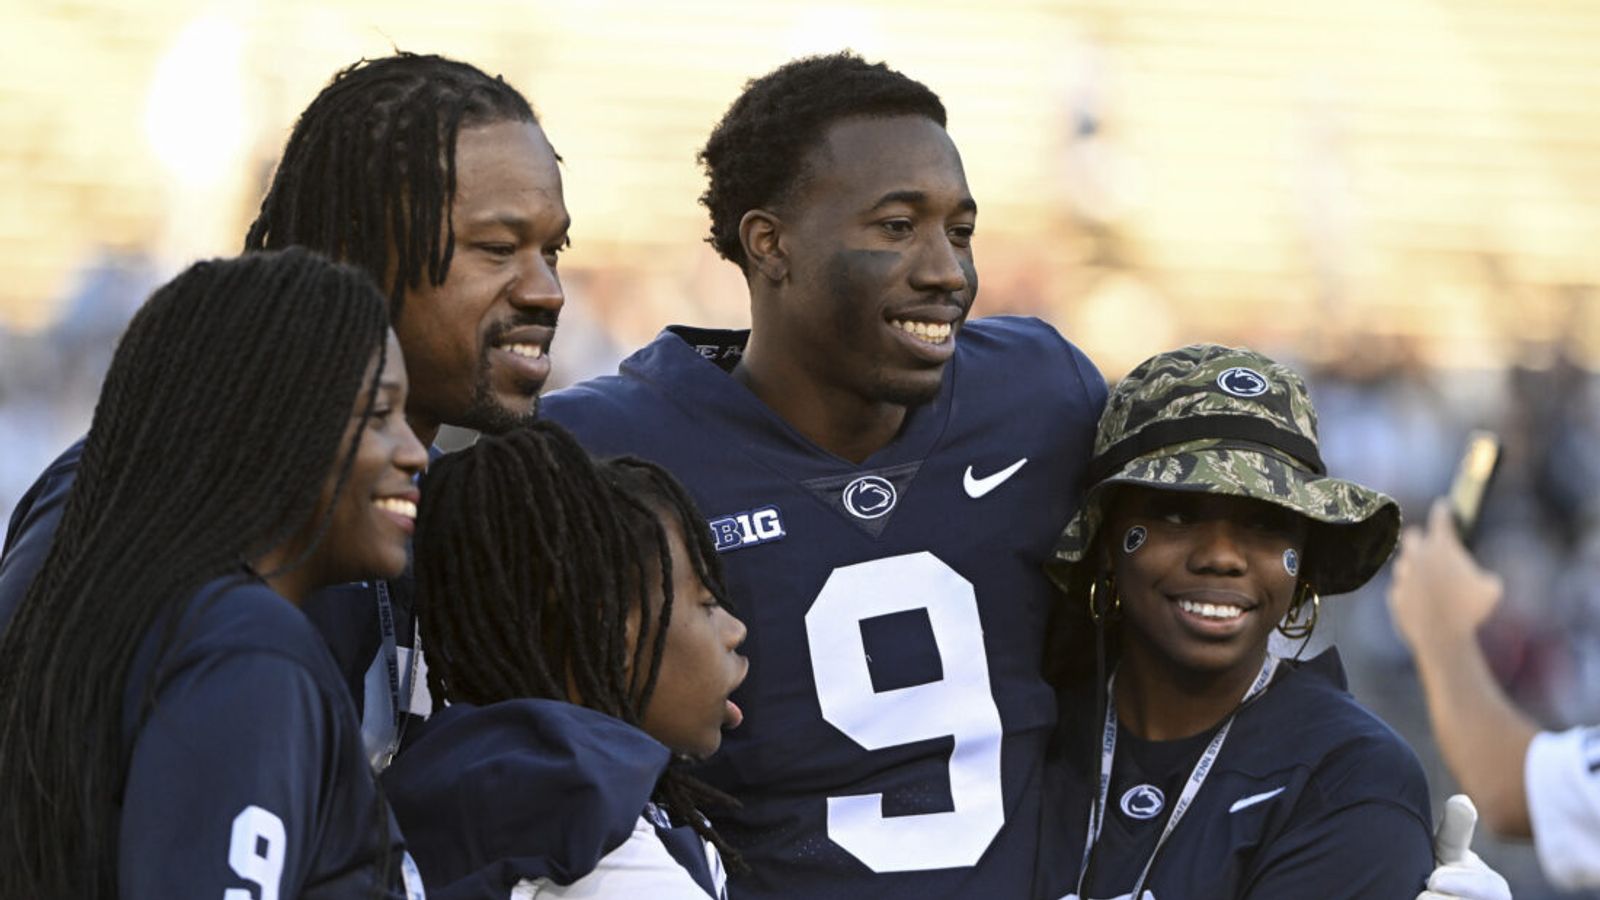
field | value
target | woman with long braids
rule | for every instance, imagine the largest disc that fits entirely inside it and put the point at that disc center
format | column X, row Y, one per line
column 1216, row 769
column 574, row 619
column 171, row 725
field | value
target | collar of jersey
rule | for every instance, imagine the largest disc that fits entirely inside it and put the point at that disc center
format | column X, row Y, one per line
column 707, row 394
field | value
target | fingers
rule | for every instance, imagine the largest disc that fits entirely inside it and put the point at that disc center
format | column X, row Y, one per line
column 1468, row 881
column 1454, row 836
column 1440, row 524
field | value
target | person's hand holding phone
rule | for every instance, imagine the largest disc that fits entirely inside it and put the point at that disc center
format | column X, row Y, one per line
column 1439, row 591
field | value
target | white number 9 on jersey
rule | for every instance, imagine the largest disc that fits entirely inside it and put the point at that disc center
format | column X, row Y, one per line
column 960, row 705
column 255, row 852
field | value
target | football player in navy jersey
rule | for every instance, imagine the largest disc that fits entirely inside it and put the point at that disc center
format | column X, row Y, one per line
column 574, row 618
column 1214, row 769
column 171, row 725
column 884, row 478
column 438, row 181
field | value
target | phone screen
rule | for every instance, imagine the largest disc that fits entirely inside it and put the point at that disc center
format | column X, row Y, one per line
column 1473, row 475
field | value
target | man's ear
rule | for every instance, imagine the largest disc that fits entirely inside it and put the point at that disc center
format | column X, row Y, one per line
column 761, row 234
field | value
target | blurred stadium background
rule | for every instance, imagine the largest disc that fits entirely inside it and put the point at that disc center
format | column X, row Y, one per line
column 1400, row 196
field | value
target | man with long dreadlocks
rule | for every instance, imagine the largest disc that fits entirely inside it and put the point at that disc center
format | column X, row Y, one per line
column 438, row 181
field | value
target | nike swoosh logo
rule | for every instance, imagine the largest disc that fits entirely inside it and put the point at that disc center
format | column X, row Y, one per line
column 1253, row 799
column 977, row 487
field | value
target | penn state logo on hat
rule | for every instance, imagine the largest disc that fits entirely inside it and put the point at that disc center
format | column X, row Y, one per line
column 869, row 497
column 1242, row 381
column 1143, row 801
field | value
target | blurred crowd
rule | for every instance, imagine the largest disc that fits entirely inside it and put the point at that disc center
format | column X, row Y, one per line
column 1388, row 420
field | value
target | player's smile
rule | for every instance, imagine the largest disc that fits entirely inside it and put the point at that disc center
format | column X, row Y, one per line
column 928, row 334
column 880, row 254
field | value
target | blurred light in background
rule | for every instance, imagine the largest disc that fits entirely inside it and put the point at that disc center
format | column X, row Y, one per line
column 199, row 73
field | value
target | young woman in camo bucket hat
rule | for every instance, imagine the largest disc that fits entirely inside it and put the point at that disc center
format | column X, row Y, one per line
column 1217, row 769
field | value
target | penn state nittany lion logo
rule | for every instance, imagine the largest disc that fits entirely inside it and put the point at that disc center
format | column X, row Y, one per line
column 868, row 497
column 1241, row 381
column 1143, row 801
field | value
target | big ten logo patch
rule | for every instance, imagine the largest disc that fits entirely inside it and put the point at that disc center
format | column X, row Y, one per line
column 747, row 529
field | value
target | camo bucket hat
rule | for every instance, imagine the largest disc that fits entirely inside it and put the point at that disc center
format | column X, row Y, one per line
column 1225, row 420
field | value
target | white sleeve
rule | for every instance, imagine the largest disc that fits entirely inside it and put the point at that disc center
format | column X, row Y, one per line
column 1562, row 775
column 641, row 867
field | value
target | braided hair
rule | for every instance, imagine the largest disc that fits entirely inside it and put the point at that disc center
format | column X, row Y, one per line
column 220, row 420
column 530, row 558
column 369, row 172
column 755, row 156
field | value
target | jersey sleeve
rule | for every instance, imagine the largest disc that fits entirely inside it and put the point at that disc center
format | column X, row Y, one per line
column 32, row 530
column 1361, row 827
column 223, row 783
column 1372, row 850
column 1562, row 775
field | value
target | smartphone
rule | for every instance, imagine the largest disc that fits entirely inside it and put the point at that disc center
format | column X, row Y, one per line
column 1479, row 462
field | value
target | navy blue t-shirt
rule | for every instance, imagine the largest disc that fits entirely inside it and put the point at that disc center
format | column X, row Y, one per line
column 895, row 715
column 1311, row 796
column 492, row 796
column 246, row 770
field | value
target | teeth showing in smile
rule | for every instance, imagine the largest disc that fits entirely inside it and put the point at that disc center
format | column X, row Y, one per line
column 531, row 351
column 397, row 505
column 1211, row 610
column 927, row 332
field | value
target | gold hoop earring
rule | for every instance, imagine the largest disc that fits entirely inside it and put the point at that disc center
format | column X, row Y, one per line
column 1095, row 613
column 1291, row 627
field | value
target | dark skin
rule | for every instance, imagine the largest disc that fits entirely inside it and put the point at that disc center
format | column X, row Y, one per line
column 860, row 282
column 1183, row 670
column 477, row 345
column 368, row 532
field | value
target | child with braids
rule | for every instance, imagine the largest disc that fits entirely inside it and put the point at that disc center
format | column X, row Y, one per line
column 171, row 725
column 574, row 619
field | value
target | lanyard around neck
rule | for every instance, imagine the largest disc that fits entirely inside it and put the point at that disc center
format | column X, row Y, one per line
column 1197, row 775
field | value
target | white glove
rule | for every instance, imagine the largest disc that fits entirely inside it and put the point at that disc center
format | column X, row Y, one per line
column 1461, row 874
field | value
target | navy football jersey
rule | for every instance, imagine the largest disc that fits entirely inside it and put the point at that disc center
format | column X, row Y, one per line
column 524, row 798
column 896, row 718
column 1311, row 796
column 246, row 775
column 373, row 651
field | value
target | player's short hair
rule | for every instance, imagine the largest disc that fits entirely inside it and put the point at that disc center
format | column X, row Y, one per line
column 755, row 156
column 368, row 175
column 530, row 557
column 222, row 415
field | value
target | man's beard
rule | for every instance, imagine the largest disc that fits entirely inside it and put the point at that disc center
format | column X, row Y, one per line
column 486, row 415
